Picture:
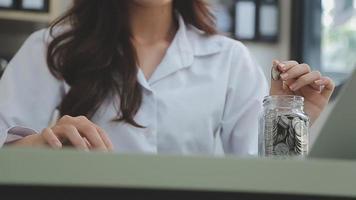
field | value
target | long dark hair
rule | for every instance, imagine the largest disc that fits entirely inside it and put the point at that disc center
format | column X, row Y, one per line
column 96, row 57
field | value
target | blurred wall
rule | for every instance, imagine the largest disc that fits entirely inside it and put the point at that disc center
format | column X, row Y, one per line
column 264, row 52
column 13, row 33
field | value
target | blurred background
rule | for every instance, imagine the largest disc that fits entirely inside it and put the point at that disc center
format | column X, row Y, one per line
column 321, row 33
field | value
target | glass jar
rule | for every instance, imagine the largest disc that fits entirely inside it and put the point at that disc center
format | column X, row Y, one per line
column 284, row 127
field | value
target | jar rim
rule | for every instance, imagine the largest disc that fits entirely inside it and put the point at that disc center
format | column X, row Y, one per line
column 291, row 98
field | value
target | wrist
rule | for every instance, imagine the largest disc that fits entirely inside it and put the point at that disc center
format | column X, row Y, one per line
column 29, row 141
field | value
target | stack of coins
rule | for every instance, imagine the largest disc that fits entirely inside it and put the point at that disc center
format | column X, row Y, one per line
column 286, row 135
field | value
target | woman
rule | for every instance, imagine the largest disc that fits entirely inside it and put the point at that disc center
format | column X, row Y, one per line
column 143, row 76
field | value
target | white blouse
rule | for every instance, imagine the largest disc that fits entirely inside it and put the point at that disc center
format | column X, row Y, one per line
column 205, row 97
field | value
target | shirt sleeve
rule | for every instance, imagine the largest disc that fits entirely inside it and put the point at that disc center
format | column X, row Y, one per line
column 247, row 88
column 29, row 93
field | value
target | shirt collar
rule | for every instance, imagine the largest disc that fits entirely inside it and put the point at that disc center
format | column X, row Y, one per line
column 188, row 43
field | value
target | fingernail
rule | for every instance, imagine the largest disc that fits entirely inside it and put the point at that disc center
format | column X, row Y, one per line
column 58, row 144
column 319, row 82
column 281, row 67
column 321, row 88
column 292, row 87
column 284, row 76
column 85, row 149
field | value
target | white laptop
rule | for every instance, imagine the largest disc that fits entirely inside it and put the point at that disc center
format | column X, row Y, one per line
column 337, row 138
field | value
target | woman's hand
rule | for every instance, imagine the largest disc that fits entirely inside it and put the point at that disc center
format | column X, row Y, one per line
column 298, row 79
column 78, row 132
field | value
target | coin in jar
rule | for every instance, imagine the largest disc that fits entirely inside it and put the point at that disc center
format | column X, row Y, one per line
column 298, row 126
column 281, row 149
column 284, row 121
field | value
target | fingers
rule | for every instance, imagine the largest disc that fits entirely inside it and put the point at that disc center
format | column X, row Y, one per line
column 105, row 138
column 295, row 72
column 79, row 132
column 294, row 76
column 51, row 138
column 88, row 130
column 93, row 136
column 304, row 80
column 87, row 142
column 328, row 86
column 286, row 65
column 279, row 86
column 71, row 133
column 276, row 82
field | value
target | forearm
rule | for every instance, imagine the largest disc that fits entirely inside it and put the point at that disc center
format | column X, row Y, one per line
column 28, row 141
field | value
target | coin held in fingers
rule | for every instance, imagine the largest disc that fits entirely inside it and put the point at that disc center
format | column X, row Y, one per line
column 275, row 73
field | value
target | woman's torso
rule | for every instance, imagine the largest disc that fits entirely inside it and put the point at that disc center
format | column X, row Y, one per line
column 197, row 93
